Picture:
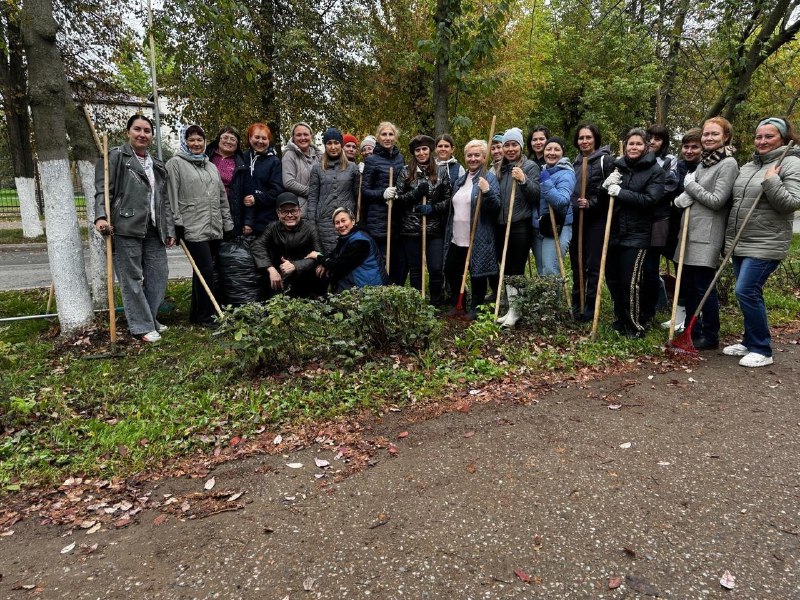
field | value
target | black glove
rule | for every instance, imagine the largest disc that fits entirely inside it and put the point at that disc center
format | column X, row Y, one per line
column 179, row 233
column 228, row 236
column 422, row 189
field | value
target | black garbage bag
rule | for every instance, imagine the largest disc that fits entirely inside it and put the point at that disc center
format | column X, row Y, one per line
column 238, row 281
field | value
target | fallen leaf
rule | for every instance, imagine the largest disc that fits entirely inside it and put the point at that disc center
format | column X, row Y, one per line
column 629, row 551
column 122, row 522
column 522, row 576
column 308, row 583
column 235, row 496
column 235, row 441
column 321, row 463
column 392, row 450
column 210, row 484
column 68, row 548
column 471, row 468
column 7, row 533
column 614, row 406
column 278, row 439
column 88, row 524
column 94, row 529
column 614, row 582
column 625, row 446
column 663, row 463
column 469, row 434
column 402, row 434
column 727, row 580
column 88, row 549
column 295, row 465
column 159, row 520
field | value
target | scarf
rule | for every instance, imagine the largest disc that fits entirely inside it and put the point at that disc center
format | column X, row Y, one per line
column 184, row 150
column 712, row 157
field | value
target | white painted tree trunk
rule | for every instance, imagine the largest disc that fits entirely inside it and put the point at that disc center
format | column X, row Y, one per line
column 64, row 247
column 26, row 192
column 97, row 245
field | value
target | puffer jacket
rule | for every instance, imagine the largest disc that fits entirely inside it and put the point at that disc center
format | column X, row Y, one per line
column 278, row 242
column 198, row 199
column 129, row 193
column 642, row 188
column 265, row 184
column 328, row 189
column 556, row 192
column 374, row 183
column 296, row 168
column 599, row 165
column 241, row 174
column 711, row 192
column 452, row 167
column 483, row 261
column 769, row 230
column 526, row 198
column 409, row 195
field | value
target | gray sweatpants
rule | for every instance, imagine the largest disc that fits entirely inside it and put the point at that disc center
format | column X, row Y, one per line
column 142, row 273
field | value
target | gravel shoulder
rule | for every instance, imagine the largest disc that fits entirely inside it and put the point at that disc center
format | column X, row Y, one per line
column 544, row 485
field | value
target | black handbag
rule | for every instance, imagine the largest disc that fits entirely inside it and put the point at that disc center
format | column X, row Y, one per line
column 546, row 225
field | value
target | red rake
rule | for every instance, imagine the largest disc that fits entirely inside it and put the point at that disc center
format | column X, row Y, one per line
column 683, row 343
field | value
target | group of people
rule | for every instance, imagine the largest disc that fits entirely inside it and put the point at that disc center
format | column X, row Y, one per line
column 319, row 220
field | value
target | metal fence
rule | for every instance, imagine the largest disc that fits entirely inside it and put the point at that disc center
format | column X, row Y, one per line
column 9, row 201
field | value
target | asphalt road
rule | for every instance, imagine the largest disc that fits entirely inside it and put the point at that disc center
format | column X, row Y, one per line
column 24, row 266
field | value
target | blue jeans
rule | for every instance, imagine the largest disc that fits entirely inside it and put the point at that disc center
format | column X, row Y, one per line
column 544, row 250
column 751, row 274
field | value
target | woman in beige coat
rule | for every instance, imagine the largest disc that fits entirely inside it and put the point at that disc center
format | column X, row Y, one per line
column 201, row 212
column 707, row 194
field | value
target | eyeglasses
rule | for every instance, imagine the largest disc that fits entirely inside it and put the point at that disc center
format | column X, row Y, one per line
column 289, row 212
column 228, row 138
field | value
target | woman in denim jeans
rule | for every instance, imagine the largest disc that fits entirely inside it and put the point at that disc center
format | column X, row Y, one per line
column 765, row 240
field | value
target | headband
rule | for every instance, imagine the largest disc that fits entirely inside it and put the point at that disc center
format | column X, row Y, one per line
column 779, row 124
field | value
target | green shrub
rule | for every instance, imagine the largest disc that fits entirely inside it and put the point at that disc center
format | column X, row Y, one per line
column 286, row 332
column 540, row 303
column 481, row 332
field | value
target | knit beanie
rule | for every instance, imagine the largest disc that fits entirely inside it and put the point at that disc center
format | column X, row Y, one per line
column 557, row 140
column 513, row 135
column 498, row 137
column 368, row 141
column 332, row 134
column 349, row 138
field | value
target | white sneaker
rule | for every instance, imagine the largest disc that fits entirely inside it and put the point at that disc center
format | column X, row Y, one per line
column 754, row 359
column 152, row 336
column 735, row 350
column 160, row 327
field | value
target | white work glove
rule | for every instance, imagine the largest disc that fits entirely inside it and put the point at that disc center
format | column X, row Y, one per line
column 614, row 189
column 390, row 193
column 689, row 178
column 614, row 179
column 683, row 201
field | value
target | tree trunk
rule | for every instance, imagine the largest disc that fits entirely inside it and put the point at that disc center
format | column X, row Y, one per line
column 671, row 70
column 441, row 76
column 86, row 153
column 47, row 84
column 13, row 80
column 269, row 102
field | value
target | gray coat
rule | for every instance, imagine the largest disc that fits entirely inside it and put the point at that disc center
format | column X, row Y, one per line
column 296, row 168
column 129, row 191
column 198, row 199
column 711, row 192
column 329, row 189
column 769, row 231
